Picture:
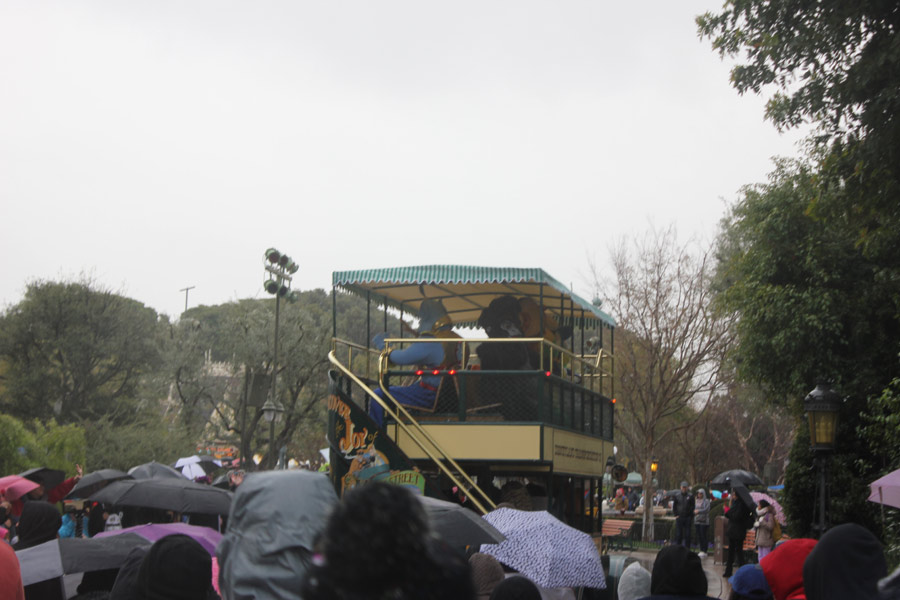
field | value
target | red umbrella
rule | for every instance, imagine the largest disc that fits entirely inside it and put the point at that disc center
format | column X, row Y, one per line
column 13, row 487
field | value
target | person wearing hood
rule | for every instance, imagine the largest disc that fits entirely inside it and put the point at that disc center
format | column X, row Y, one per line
column 783, row 568
column 176, row 567
column 765, row 526
column 847, row 562
column 434, row 322
column 749, row 583
column 634, row 582
column 275, row 519
column 677, row 573
column 40, row 523
column 701, row 521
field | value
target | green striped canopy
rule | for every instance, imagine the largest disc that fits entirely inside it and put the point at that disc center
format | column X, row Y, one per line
column 465, row 291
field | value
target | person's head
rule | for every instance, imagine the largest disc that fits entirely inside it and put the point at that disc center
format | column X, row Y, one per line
column 677, row 572
column 236, row 477
column 763, row 504
column 783, row 568
column 39, row 523
column 847, row 562
column 38, row 492
column 432, row 316
column 516, row 588
column 176, row 568
column 382, row 531
column 487, row 572
column 749, row 583
column 701, row 494
column 634, row 582
column 685, row 486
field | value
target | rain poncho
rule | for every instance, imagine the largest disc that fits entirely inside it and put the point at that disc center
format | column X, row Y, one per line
column 274, row 521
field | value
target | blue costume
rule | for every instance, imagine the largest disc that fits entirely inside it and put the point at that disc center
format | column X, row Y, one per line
column 432, row 318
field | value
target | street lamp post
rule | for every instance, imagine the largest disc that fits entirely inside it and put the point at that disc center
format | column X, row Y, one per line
column 822, row 406
column 279, row 271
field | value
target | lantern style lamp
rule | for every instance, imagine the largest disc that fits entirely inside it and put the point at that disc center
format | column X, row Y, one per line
column 822, row 406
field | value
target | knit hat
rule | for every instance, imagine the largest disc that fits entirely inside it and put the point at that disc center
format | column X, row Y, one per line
column 486, row 574
column 750, row 582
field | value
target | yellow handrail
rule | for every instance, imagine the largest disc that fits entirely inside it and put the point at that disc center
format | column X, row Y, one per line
column 405, row 427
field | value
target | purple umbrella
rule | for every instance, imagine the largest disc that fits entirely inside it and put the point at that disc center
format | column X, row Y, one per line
column 886, row 490
column 208, row 538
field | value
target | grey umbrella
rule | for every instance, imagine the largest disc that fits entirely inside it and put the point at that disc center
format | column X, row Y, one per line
column 179, row 495
column 76, row 555
column 154, row 470
column 459, row 526
column 49, row 478
column 95, row 481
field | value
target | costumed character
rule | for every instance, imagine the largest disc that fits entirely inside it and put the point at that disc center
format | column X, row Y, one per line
column 501, row 319
column 433, row 322
column 531, row 319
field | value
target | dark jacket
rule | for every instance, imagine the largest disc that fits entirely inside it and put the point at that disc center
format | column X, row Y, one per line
column 684, row 505
column 740, row 519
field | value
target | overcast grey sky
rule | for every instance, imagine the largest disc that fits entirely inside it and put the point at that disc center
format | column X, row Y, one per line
column 155, row 145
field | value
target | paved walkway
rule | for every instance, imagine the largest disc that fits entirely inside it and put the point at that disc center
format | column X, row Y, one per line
column 717, row 586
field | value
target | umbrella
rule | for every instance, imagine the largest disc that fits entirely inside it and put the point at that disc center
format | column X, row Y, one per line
column 75, row 555
column 886, row 490
column 13, row 487
column 193, row 471
column 633, row 478
column 223, row 481
column 206, row 462
column 95, row 481
column 779, row 512
column 729, row 478
column 457, row 525
column 207, row 537
column 744, row 494
column 49, row 478
column 154, row 470
column 179, row 495
column 545, row 549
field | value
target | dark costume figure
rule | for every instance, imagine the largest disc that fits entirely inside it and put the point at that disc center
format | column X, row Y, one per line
column 683, row 509
column 740, row 519
column 433, row 323
column 39, row 523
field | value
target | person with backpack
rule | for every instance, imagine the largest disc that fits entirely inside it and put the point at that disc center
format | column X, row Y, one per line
column 765, row 528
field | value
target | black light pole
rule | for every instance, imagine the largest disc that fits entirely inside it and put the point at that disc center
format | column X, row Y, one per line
column 279, row 268
column 822, row 406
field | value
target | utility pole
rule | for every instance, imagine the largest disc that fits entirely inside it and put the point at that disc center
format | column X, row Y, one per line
column 186, row 290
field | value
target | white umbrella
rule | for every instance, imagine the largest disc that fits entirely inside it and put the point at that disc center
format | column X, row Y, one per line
column 545, row 549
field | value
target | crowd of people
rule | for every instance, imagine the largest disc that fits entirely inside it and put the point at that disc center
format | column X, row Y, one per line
column 289, row 536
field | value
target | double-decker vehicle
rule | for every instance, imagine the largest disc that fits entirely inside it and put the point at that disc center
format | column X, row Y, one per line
column 523, row 390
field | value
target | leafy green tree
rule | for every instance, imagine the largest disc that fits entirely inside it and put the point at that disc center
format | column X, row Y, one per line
column 72, row 351
column 150, row 435
column 17, row 444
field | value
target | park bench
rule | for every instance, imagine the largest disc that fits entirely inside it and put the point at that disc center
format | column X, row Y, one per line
column 617, row 533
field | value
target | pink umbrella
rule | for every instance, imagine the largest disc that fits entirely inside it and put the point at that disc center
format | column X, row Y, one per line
column 13, row 487
column 886, row 490
column 779, row 512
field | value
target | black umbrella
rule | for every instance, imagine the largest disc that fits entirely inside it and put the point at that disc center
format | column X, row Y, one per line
column 95, row 481
column 49, row 478
column 76, row 555
column 457, row 525
column 744, row 494
column 179, row 495
column 732, row 477
column 154, row 470
column 223, row 481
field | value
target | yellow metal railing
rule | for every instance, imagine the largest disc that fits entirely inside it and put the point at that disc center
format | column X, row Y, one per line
column 412, row 428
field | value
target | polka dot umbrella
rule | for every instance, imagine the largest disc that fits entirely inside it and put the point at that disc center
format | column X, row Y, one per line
column 546, row 550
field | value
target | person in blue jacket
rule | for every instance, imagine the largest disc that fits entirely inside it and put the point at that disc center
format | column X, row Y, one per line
column 433, row 323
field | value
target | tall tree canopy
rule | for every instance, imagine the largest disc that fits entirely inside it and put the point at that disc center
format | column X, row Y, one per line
column 72, row 351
